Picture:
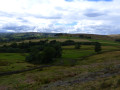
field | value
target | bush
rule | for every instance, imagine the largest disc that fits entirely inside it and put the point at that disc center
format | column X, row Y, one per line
column 53, row 42
column 58, row 50
column 45, row 56
column 10, row 50
column 105, row 85
column 97, row 47
column 68, row 42
column 13, row 45
column 77, row 46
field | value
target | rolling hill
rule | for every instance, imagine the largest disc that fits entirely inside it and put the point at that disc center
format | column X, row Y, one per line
column 116, row 36
column 90, row 36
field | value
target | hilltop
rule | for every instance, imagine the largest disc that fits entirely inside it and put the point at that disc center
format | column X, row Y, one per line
column 116, row 36
column 37, row 35
column 90, row 36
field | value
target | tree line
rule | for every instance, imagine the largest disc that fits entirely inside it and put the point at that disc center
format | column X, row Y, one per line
column 28, row 46
column 44, row 51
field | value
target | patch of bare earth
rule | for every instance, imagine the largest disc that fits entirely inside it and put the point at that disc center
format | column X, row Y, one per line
column 29, row 80
column 4, row 88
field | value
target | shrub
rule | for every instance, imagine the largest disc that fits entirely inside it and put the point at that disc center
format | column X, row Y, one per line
column 45, row 56
column 97, row 47
column 77, row 46
column 105, row 85
column 68, row 42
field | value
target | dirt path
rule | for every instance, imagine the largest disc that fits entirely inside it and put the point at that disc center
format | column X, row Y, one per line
column 21, row 71
column 86, row 78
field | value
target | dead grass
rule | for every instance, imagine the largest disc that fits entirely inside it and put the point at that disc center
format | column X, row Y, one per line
column 60, row 40
column 3, row 87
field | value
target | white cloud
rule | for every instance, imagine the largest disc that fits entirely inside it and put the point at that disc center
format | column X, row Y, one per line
column 77, row 16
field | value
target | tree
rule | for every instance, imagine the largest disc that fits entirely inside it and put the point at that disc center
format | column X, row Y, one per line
column 97, row 47
column 13, row 45
column 31, row 57
column 117, row 40
column 77, row 46
column 53, row 42
column 42, row 57
column 81, row 36
column 47, row 55
column 58, row 49
column 68, row 42
column 43, row 54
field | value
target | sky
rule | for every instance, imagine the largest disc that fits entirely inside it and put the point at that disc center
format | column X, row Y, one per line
column 60, row 16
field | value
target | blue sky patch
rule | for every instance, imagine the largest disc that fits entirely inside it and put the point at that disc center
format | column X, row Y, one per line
column 90, row 0
column 69, row 0
column 101, row 0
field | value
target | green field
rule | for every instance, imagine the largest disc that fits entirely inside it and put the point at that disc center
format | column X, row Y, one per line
column 36, row 78
column 74, row 54
column 13, row 61
column 106, row 42
column 75, row 63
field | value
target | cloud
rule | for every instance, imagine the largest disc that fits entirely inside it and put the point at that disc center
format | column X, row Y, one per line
column 16, row 28
column 93, row 14
column 67, row 16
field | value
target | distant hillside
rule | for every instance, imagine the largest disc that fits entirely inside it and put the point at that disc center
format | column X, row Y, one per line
column 7, row 37
column 90, row 36
column 116, row 36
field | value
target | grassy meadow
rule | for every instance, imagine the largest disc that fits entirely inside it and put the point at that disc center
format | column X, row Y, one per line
column 13, row 61
column 75, row 63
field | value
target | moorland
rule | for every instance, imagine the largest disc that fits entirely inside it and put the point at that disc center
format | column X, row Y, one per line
column 47, row 61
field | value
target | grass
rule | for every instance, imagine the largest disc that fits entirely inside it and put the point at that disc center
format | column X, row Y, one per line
column 105, row 57
column 9, row 57
column 59, row 39
column 16, row 61
column 109, row 48
column 76, row 39
column 106, row 42
column 36, row 78
column 83, row 47
column 73, row 54
column 109, row 83
column 70, row 53
column 13, row 61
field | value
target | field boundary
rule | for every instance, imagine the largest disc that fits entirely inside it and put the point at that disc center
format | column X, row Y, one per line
column 20, row 71
column 84, row 57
